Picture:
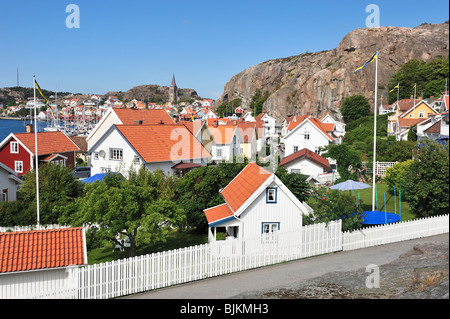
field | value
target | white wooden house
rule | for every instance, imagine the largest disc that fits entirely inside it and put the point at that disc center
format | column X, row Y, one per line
column 156, row 146
column 307, row 163
column 224, row 142
column 308, row 134
column 36, row 264
column 256, row 202
column 9, row 182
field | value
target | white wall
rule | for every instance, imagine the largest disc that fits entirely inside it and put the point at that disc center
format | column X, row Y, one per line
column 31, row 284
column 283, row 211
column 113, row 140
column 306, row 167
column 296, row 138
column 7, row 183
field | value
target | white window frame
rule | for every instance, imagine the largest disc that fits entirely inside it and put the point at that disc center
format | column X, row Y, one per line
column 218, row 152
column 421, row 114
column 136, row 160
column 18, row 166
column 116, row 154
column 307, row 135
column 295, row 148
column 95, row 156
column 14, row 147
column 105, row 170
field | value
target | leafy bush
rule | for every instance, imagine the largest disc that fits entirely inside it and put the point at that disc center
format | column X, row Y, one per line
column 395, row 175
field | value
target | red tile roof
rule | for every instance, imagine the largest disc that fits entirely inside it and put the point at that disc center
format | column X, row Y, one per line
column 306, row 153
column 435, row 128
column 42, row 249
column 161, row 143
column 48, row 142
column 239, row 190
column 130, row 116
column 217, row 213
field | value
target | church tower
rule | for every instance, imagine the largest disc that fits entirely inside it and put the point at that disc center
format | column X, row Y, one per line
column 173, row 91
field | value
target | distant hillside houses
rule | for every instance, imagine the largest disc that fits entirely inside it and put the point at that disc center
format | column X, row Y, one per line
column 428, row 118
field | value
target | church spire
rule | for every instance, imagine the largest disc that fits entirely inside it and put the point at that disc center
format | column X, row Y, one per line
column 173, row 81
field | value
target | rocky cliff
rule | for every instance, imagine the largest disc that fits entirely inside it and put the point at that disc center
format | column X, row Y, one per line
column 152, row 92
column 317, row 83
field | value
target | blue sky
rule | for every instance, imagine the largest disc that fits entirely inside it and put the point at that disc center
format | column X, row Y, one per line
column 121, row 44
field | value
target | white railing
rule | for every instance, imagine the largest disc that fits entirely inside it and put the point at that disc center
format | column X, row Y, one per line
column 144, row 273
column 380, row 167
column 29, row 228
column 328, row 177
column 400, row 231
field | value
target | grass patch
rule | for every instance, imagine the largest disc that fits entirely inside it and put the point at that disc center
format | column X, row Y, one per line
column 366, row 200
column 176, row 239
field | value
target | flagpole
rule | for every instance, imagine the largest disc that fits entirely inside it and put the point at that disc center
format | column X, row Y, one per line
column 36, row 156
column 398, row 91
column 374, row 133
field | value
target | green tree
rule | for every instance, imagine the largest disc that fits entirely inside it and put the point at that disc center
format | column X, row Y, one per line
column 57, row 187
column 426, row 180
column 348, row 160
column 429, row 78
column 140, row 208
column 296, row 183
column 258, row 99
column 200, row 189
column 354, row 107
column 334, row 205
column 395, row 175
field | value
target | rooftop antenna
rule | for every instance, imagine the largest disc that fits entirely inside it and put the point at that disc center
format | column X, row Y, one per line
column 17, row 76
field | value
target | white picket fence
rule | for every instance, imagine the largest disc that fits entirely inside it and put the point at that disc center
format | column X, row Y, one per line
column 144, row 273
column 400, row 231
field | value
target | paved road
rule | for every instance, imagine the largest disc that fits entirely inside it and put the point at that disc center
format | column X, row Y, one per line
column 231, row 285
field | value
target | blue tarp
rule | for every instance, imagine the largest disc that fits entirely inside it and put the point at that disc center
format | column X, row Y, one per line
column 377, row 217
column 93, row 178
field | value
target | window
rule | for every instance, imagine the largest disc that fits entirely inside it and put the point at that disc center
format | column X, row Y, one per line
column 116, row 154
column 270, row 227
column 295, row 149
column 14, row 148
column 137, row 160
column 4, row 195
column 95, row 156
column 18, row 166
column 61, row 162
column 218, row 152
column 105, row 170
column 421, row 114
column 306, row 135
column 271, row 195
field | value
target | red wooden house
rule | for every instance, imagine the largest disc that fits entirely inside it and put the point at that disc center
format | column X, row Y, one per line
column 17, row 150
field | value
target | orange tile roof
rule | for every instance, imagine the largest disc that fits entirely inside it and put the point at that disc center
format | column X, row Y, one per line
column 161, row 143
column 42, row 249
column 247, row 130
column 217, row 213
column 402, row 122
column 48, row 142
column 222, row 134
column 239, row 190
column 129, row 116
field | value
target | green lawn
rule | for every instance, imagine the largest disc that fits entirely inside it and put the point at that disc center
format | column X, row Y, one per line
column 366, row 201
column 175, row 240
